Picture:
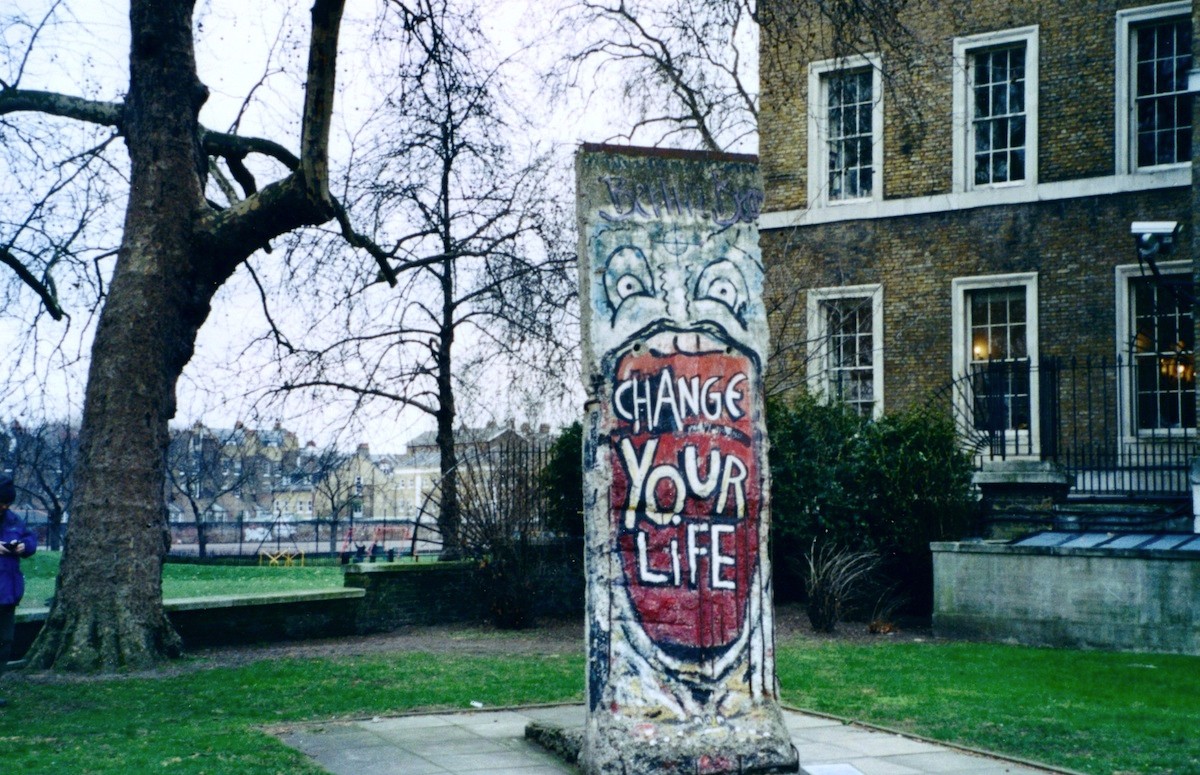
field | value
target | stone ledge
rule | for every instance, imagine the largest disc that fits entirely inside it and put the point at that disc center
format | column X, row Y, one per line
column 39, row 613
column 432, row 566
column 270, row 598
column 1022, row 472
column 564, row 742
column 1004, row 547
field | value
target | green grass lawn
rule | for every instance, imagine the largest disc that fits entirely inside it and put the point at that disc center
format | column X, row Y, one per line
column 1091, row 711
column 193, row 580
column 208, row 721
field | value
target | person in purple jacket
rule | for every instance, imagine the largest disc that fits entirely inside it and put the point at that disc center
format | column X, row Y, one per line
column 16, row 541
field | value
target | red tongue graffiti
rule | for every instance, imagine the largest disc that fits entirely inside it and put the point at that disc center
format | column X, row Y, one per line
column 685, row 495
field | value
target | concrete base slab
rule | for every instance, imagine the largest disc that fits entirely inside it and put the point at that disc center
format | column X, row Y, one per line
column 495, row 743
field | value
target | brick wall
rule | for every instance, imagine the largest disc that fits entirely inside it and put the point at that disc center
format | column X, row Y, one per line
column 1075, row 88
column 1073, row 245
column 415, row 594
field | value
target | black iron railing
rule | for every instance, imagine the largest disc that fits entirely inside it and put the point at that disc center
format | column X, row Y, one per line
column 1116, row 425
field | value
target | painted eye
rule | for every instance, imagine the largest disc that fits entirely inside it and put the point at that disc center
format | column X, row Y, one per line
column 628, row 285
column 627, row 274
column 722, row 290
column 723, row 282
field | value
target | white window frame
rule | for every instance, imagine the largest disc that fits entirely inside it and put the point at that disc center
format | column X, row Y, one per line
column 818, row 127
column 819, row 356
column 1125, row 145
column 1125, row 273
column 963, row 177
column 960, row 288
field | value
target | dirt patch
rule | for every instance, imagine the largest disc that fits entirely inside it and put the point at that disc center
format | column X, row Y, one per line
column 549, row 638
column 791, row 624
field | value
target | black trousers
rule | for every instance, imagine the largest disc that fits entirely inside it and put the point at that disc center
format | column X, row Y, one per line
column 7, row 617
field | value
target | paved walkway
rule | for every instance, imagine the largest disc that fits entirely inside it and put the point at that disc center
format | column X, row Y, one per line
column 493, row 742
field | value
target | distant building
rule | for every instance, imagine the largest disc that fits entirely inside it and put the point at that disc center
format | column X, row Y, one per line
column 259, row 477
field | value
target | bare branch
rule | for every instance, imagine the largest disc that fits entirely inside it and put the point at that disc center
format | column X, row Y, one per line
column 13, row 100
column 36, row 32
column 44, row 291
column 361, row 391
column 239, row 147
column 302, row 198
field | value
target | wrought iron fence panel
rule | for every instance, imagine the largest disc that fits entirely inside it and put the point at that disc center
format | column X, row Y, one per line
column 1086, row 419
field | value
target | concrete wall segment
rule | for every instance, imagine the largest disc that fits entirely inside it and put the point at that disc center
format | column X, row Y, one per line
column 1120, row 599
column 681, row 675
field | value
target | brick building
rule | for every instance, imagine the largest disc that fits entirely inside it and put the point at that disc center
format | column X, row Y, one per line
column 956, row 222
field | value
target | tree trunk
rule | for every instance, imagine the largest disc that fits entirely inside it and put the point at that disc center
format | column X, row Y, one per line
column 449, row 516
column 175, row 253
column 54, row 528
column 107, row 612
column 201, row 536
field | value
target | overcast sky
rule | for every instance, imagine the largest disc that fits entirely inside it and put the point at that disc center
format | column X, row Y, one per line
column 85, row 53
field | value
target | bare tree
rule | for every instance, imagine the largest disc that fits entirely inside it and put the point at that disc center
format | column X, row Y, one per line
column 177, row 248
column 687, row 68
column 335, row 491
column 502, row 508
column 204, row 466
column 482, row 236
column 42, row 459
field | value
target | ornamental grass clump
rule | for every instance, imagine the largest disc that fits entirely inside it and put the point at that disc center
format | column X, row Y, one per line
column 837, row 578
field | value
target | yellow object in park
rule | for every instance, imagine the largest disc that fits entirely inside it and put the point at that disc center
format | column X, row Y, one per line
column 284, row 559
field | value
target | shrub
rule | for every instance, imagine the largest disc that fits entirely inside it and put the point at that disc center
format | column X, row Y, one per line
column 499, row 503
column 918, row 481
column 561, row 482
column 889, row 486
column 813, row 471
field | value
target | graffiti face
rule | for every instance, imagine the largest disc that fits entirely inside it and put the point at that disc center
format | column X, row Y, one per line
column 678, row 279
column 681, row 374
column 685, row 494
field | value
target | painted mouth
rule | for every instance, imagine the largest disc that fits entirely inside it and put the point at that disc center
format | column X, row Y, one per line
column 686, row 488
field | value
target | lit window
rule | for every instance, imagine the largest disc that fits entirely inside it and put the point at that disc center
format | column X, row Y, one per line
column 1161, row 352
column 999, row 364
column 995, row 330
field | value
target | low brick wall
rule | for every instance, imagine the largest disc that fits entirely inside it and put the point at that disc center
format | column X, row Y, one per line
column 1122, row 599
column 401, row 594
column 231, row 619
column 220, row 621
column 376, row 597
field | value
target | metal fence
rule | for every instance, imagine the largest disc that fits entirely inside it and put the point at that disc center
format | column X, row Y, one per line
column 499, row 491
column 1120, row 426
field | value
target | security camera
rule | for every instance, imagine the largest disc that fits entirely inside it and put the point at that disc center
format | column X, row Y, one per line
column 1140, row 228
column 1153, row 237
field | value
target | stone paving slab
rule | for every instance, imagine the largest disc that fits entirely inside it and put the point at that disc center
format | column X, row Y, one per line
column 493, row 742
